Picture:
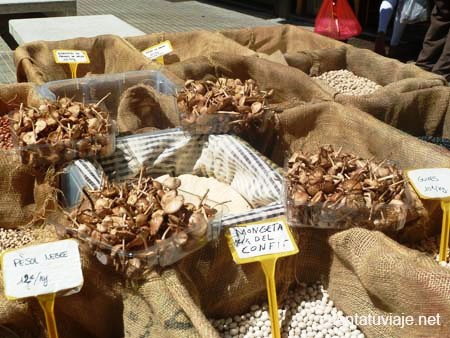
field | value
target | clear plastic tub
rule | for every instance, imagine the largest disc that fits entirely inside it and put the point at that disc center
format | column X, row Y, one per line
column 183, row 241
column 44, row 152
column 341, row 215
column 111, row 86
column 200, row 114
column 164, row 253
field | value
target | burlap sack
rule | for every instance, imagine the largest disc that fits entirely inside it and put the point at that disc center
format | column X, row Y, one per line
column 187, row 45
column 107, row 53
column 291, row 87
column 135, row 99
column 412, row 99
column 21, row 195
column 142, row 106
column 307, row 127
column 284, row 38
column 372, row 275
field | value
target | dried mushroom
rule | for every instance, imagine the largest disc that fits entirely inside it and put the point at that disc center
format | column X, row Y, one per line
column 226, row 104
column 139, row 220
column 336, row 190
column 60, row 131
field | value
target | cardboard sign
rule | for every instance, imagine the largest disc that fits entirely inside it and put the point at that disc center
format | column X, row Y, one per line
column 158, row 51
column 42, row 269
column 433, row 183
column 70, row 56
column 261, row 240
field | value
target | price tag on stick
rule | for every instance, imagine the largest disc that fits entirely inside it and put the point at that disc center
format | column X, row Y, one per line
column 264, row 242
column 42, row 271
column 71, row 57
column 158, row 51
column 434, row 183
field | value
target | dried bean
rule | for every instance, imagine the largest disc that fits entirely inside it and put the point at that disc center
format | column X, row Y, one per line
column 347, row 83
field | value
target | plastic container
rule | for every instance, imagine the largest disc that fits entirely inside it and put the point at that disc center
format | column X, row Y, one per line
column 328, row 215
column 200, row 115
column 223, row 157
column 74, row 177
column 223, row 123
column 111, row 86
column 165, row 252
column 42, row 155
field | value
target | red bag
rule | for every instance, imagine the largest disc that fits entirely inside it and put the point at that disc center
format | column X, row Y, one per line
column 337, row 20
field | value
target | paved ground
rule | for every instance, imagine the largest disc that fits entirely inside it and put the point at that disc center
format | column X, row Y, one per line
column 150, row 16
column 160, row 16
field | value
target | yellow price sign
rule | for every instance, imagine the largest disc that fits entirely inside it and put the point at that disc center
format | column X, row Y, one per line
column 72, row 57
column 434, row 183
column 264, row 242
column 158, row 51
column 42, row 271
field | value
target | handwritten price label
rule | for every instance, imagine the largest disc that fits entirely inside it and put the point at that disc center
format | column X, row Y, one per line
column 159, row 50
column 42, row 269
column 70, row 56
column 269, row 237
column 433, row 183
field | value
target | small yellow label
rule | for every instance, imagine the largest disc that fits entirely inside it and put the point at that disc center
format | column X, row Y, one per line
column 263, row 240
column 158, row 51
column 70, row 56
column 431, row 183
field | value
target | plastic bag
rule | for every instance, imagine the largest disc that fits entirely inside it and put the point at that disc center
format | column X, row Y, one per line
column 414, row 11
column 337, row 20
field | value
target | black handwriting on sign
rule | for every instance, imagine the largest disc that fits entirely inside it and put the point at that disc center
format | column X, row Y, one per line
column 436, row 189
column 55, row 255
column 428, row 179
column 24, row 261
column 33, row 280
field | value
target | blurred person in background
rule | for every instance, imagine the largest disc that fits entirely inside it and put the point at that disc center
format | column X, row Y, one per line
column 435, row 54
column 406, row 12
column 387, row 9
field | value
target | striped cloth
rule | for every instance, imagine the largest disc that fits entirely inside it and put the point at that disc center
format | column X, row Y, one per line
column 223, row 157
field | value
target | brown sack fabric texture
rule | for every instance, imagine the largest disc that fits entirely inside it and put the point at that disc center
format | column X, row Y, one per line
column 107, row 53
column 291, row 86
column 373, row 275
column 284, row 38
column 413, row 100
column 17, row 203
column 308, row 127
column 187, row 45
column 142, row 106
column 176, row 301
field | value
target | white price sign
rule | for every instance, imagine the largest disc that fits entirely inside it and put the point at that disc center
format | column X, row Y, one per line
column 433, row 183
column 42, row 269
column 70, row 56
column 270, row 237
column 158, row 50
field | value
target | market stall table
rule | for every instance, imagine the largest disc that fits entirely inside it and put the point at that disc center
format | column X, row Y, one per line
column 61, row 28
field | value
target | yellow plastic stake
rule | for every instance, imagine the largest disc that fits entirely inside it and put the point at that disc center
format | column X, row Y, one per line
column 445, row 234
column 73, row 70
column 264, row 242
column 268, row 266
column 47, row 303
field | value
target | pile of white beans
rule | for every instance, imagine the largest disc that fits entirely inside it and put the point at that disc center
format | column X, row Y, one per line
column 347, row 83
column 308, row 312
